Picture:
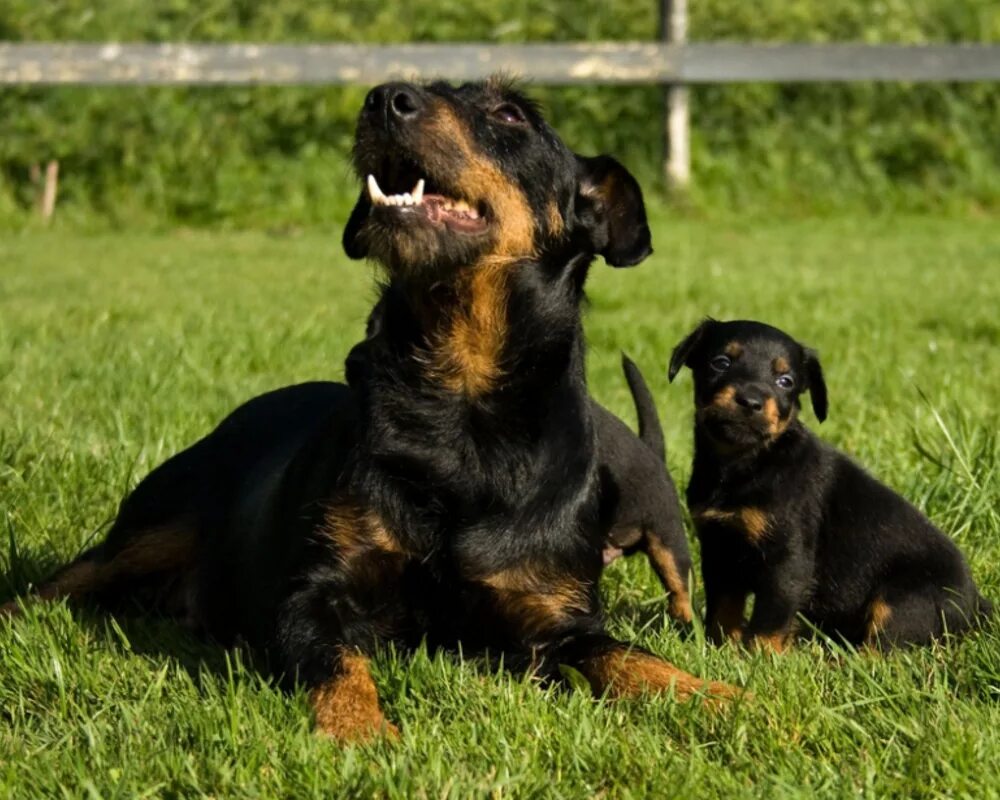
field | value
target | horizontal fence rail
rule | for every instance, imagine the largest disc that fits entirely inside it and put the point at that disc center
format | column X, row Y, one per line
column 607, row 63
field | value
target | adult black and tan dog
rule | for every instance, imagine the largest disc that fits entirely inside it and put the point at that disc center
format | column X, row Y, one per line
column 451, row 493
column 784, row 517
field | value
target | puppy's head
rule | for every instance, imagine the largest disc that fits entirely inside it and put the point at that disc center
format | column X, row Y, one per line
column 458, row 176
column 748, row 378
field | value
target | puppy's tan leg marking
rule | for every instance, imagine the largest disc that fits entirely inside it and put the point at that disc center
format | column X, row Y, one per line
column 774, row 642
column 879, row 614
column 727, row 620
column 665, row 566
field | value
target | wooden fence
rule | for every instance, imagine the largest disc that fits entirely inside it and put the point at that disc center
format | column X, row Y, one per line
column 672, row 62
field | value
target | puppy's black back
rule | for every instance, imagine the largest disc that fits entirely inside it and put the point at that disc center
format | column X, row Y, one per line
column 877, row 549
column 639, row 507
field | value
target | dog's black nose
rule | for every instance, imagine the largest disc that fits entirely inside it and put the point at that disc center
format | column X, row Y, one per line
column 750, row 399
column 399, row 101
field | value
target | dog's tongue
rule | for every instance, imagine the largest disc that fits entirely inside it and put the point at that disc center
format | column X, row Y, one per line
column 458, row 214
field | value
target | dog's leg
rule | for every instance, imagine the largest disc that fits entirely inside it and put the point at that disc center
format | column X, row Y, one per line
column 346, row 705
column 616, row 670
column 544, row 609
column 673, row 573
column 342, row 693
column 773, row 619
column 353, row 600
column 101, row 569
column 724, row 615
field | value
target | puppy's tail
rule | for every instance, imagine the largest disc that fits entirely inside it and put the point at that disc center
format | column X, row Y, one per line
column 650, row 431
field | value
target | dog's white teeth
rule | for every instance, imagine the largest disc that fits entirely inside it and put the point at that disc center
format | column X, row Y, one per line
column 380, row 198
column 374, row 192
column 473, row 213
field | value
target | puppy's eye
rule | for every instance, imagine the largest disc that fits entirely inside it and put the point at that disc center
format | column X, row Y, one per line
column 785, row 382
column 509, row 114
column 720, row 363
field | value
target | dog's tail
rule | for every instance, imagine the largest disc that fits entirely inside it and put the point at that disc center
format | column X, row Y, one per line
column 650, row 431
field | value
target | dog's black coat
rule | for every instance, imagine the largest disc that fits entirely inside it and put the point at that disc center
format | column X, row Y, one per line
column 452, row 493
column 784, row 517
column 639, row 510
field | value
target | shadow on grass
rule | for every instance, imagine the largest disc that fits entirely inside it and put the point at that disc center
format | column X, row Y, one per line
column 134, row 629
column 129, row 628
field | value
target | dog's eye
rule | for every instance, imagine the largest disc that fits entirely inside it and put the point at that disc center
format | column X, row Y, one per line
column 509, row 114
column 720, row 363
column 785, row 382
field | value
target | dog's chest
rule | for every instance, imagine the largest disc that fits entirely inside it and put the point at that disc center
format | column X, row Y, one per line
column 737, row 512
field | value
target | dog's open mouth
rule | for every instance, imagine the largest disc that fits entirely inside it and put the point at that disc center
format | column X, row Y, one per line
column 428, row 202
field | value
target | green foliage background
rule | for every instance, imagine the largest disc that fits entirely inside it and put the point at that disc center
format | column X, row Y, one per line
column 277, row 156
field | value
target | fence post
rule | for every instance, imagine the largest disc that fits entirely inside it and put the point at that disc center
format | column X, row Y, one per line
column 48, row 202
column 677, row 123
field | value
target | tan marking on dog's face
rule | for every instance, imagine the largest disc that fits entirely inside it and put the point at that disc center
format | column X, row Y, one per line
column 467, row 350
column 776, row 424
column 726, row 623
column 665, row 566
column 780, row 366
column 621, row 672
column 481, row 180
column 734, row 350
column 879, row 614
column 536, row 601
column 346, row 707
column 725, row 398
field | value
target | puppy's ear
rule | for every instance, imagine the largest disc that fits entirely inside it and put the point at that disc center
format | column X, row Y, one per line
column 354, row 244
column 816, row 384
column 610, row 211
column 682, row 353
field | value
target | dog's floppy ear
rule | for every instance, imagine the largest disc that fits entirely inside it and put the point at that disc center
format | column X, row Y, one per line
column 682, row 353
column 610, row 211
column 815, row 383
column 354, row 244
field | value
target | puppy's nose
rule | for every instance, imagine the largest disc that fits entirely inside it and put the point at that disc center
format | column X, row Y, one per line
column 394, row 101
column 750, row 399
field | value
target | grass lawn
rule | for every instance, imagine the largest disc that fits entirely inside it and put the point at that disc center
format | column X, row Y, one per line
column 118, row 350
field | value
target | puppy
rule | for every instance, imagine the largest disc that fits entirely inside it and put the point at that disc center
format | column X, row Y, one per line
column 784, row 517
column 639, row 506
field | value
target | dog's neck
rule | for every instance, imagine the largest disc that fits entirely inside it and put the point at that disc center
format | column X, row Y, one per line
column 501, row 447
column 489, row 330
column 716, row 465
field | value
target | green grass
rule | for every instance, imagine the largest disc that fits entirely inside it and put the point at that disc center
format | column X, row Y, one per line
column 117, row 350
